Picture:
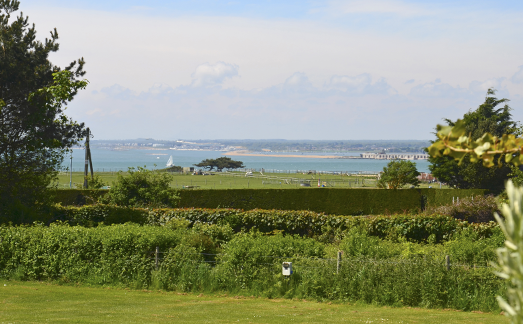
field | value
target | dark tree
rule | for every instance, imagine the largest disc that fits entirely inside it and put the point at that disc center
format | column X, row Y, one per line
column 207, row 163
column 493, row 116
column 228, row 163
column 220, row 164
column 34, row 132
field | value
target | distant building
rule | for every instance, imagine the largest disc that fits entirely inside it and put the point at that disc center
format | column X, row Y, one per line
column 394, row 156
column 426, row 177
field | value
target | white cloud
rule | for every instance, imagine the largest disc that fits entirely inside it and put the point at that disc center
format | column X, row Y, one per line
column 348, row 83
column 518, row 76
column 298, row 83
column 126, row 53
column 298, row 80
column 359, row 84
column 437, row 89
column 213, row 74
column 483, row 86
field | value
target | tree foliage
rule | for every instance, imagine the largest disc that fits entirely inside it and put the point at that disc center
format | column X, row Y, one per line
column 491, row 150
column 399, row 173
column 220, row 164
column 35, row 132
column 485, row 135
column 142, row 188
column 510, row 257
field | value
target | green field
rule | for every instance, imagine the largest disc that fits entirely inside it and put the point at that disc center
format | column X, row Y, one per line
column 37, row 302
column 238, row 180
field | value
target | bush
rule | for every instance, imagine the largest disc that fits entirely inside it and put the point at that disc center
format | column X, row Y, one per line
column 119, row 254
column 142, row 188
column 478, row 209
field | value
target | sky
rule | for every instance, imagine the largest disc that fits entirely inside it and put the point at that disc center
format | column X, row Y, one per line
column 319, row 70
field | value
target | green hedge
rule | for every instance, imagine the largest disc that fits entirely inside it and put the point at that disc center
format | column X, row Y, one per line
column 305, row 223
column 77, row 197
column 106, row 253
column 326, row 200
column 330, row 201
column 248, row 264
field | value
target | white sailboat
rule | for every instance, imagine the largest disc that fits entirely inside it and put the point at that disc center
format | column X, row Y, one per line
column 170, row 162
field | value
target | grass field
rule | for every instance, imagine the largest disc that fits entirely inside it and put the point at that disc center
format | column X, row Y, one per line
column 238, row 180
column 37, row 302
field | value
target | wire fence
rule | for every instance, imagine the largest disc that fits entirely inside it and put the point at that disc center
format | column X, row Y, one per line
column 300, row 262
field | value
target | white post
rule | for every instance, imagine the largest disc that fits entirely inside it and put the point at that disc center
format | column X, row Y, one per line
column 156, row 252
column 338, row 263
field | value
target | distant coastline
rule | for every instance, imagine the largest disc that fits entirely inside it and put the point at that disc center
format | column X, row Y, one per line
column 307, row 156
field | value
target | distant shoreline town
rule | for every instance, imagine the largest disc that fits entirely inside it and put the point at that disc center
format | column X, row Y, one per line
column 367, row 149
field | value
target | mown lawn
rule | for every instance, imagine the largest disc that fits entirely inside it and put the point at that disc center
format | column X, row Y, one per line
column 38, row 302
column 239, row 181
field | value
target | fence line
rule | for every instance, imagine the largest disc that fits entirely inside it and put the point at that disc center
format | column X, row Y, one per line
column 340, row 261
column 244, row 170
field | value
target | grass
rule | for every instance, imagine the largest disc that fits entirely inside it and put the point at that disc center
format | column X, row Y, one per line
column 238, row 180
column 36, row 302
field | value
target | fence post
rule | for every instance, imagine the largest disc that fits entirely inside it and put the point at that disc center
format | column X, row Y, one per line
column 447, row 262
column 156, row 252
column 338, row 263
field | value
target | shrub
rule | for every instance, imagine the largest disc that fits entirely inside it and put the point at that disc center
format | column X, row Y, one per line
column 397, row 174
column 478, row 209
column 142, row 188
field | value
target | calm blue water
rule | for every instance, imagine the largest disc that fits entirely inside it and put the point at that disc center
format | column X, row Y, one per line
column 107, row 160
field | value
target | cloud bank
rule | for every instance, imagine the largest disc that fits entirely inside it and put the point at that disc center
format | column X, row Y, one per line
column 376, row 69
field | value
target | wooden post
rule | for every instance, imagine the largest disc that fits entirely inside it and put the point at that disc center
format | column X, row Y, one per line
column 447, row 262
column 86, row 165
column 338, row 263
column 156, row 257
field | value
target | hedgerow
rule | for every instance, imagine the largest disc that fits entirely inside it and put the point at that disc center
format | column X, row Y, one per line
column 210, row 258
column 339, row 201
column 418, row 228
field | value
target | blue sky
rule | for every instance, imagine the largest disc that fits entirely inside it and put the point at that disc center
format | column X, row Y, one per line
column 355, row 69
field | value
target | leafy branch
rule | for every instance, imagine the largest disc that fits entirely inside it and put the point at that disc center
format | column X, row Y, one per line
column 454, row 141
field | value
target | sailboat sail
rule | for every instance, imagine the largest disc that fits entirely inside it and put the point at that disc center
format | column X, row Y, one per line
column 170, row 162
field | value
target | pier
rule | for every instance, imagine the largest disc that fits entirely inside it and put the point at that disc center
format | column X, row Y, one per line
column 394, row 156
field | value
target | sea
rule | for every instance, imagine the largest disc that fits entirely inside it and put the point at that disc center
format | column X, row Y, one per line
column 107, row 160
